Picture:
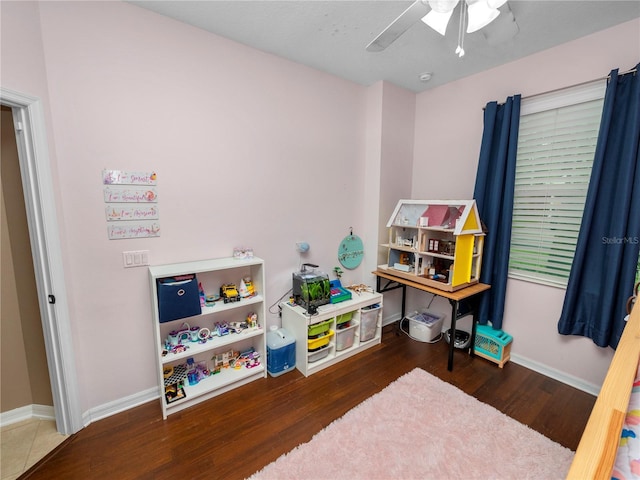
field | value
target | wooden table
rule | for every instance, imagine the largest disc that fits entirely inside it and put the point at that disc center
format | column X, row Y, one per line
column 394, row 282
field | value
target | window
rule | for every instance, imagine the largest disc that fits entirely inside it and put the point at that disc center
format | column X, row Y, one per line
column 556, row 144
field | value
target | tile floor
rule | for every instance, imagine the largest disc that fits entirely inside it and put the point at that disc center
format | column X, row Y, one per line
column 24, row 444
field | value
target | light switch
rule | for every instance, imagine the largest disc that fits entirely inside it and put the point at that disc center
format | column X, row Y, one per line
column 135, row 258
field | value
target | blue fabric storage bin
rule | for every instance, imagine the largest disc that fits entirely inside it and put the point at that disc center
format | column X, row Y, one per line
column 178, row 297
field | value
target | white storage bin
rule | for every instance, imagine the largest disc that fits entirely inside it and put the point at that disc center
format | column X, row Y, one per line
column 369, row 322
column 425, row 326
column 345, row 337
column 318, row 354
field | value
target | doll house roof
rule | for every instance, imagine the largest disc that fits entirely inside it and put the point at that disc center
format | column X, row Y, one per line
column 461, row 216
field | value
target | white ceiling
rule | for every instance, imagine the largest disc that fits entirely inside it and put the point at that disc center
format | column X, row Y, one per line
column 331, row 36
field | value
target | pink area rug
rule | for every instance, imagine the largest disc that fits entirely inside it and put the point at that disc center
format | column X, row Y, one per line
column 420, row 427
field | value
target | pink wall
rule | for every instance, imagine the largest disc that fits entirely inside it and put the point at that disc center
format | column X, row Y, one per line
column 283, row 147
column 250, row 149
column 450, row 155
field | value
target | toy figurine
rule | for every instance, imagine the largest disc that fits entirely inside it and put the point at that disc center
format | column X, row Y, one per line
column 252, row 320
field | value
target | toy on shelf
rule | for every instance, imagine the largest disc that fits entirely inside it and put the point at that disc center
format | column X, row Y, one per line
column 249, row 358
column 220, row 329
column 229, row 293
column 210, row 300
column 204, row 334
column 177, row 341
column 361, row 288
column 242, row 253
column 174, row 377
column 252, row 320
column 224, row 359
column 203, row 300
column 238, row 327
column 338, row 292
column 196, row 371
column 247, row 289
column 174, row 392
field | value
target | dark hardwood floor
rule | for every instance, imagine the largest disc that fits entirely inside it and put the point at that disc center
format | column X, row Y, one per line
column 234, row 435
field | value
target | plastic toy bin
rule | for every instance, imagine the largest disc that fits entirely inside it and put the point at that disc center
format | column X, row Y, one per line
column 318, row 354
column 369, row 322
column 345, row 337
column 321, row 341
column 425, row 326
column 344, row 318
column 319, row 328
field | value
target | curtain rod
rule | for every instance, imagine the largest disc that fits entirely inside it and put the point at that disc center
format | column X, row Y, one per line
column 633, row 70
column 608, row 77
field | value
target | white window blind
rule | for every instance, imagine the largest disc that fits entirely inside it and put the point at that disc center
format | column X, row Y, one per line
column 556, row 144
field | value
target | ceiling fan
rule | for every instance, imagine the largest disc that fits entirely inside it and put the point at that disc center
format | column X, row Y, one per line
column 436, row 14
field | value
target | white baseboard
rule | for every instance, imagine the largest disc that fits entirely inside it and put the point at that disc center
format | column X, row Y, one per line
column 103, row 411
column 26, row 413
column 556, row 374
column 536, row 367
column 120, row 405
column 389, row 320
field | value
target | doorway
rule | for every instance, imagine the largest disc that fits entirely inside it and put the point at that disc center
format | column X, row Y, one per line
column 44, row 239
column 25, row 377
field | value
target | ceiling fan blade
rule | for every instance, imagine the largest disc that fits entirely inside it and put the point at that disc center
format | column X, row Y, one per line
column 411, row 15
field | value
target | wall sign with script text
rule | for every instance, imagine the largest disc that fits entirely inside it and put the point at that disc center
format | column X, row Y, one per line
column 131, row 204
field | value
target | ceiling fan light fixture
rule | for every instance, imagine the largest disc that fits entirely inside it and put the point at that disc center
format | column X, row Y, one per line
column 437, row 20
column 480, row 15
column 444, row 6
column 496, row 3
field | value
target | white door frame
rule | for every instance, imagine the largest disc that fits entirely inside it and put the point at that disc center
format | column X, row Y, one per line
column 37, row 183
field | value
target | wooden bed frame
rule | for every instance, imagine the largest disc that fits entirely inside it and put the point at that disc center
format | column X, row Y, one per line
column 596, row 453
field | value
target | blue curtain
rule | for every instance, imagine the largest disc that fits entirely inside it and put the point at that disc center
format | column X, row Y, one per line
column 493, row 194
column 606, row 257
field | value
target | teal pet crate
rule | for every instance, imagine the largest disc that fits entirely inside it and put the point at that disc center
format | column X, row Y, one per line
column 494, row 345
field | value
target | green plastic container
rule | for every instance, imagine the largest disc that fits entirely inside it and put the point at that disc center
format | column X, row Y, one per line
column 319, row 328
column 344, row 318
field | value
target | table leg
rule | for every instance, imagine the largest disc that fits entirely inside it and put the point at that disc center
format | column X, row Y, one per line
column 398, row 324
column 452, row 332
column 472, row 345
column 392, row 285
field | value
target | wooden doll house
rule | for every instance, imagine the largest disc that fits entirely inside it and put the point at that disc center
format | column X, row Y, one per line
column 436, row 243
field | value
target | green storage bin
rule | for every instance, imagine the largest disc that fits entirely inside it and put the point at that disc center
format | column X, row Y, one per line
column 319, row 328
column 344, row 318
